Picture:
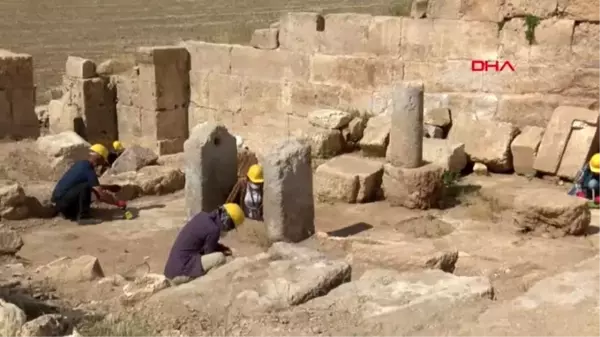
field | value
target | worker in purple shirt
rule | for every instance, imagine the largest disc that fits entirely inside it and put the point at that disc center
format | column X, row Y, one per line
column 196, row 249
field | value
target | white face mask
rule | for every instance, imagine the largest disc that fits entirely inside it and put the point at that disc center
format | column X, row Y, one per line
column 253, row 186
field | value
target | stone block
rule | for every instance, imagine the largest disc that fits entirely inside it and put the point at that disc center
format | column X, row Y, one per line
column 417, row 44
column 414, row 188
column 10, row 241
column 586, row 45
column 303, row 97
column 224, row 92
column 288, row 206
column 47, row 325
column 128, row 123
column 348, row 179
column 210, row 156
column 524, row 148
column 376, row 136
column 356, row 129
column 329, row 118
column 439, row 117
column 170, row 146
column 301, row 31
column 580, row 10
column 535, row 109
column 24, row 120
column 550, row 212
column 406, row 132
column 82, row 269
column 479, row 106
column 171, row 124
column 16, row 70
column 480, row 169
column 557, row 134
column 551, row 79
column 585, row 83
column 324, row 143
column 487, row 142
column 418, row 9
column 553, row 39
column 357, row 72
column 451, row 37
column 265, row 38
column 115, row 67
column 444, row 153
column 514, row 45
column 520, row 8
column 450, row 76
column 79, row 67
column 269, row 64
column 13, row 318
column 432, row 131
column 580, row 144
column 479, row 10
column 5, row 113
column 64, row 148
column 151, row 180
column 260, row 97
column 209, row 57
column 384, row 36
column 132, row 159
column 345, row 34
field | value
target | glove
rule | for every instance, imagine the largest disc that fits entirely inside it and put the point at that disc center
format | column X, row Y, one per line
column 122, row 204
column 580, row 194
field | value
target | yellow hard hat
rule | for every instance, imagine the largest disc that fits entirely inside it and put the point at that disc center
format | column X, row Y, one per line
column 255, row 174
column 117, row 145
column 100, row 150
column 235, row 212
column 595, row 163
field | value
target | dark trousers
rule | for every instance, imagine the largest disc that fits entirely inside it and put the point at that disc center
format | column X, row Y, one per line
column 75, row 203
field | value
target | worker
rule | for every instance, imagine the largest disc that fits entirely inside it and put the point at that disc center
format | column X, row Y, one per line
column 196, row 249
column 118, row 149
column 253, row 193
column 588, row 184
column 72, row 195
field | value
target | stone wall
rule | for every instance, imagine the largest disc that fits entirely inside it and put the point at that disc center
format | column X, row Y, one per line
column 17, row 96
column 348, row 62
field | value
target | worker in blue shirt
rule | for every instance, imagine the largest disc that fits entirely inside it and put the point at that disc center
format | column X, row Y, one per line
column 72, row 195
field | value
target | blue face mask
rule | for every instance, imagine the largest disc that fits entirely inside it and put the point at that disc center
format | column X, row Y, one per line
column 225, row 220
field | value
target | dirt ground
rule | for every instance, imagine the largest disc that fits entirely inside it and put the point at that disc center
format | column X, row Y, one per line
column 51, row 31
column 479, row 226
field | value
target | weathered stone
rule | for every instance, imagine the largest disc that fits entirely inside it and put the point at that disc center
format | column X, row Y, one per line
column 444, row 153
column 329, row 118
column 41, row 111
column 348, row 179
column 47, row 325
column 556, row 136
column 418, row 9
column 289, row 190
column 487, row 142
column 258, row 283
column 269, row 64
column 406, row 133
column 524, row 148
column 266, row 38
column 580, row 10
column 432, row 131
column 415, row 188
column 548, row 211
column 209, row 57
column 10, row 241
column 384, row 35
column 113, row 67
column 149, row 180
column 132, row 159
column 17, row 70
column 325, row 143
column 380, row 296
column 290, row 251
column 80, row 68
column 300, row 31
column 345, row 34
column 143, row 288
column 65, row 269
column 12, row 319
column 586, row 45
column 38, row 200
column 356, row 72
column 210, row 167
column 12, row 201
column 400, row 255
column 581, row 142
column 64, row 148
column 376, row 136
column 439, row 117
column 480, row 169
column 356, row 129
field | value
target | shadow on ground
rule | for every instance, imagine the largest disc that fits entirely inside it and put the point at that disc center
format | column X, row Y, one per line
column 112, row 214
column 353, row 229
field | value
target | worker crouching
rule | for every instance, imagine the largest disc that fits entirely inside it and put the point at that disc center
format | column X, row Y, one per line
column 588, row 184
column 118, row 149
column 196, row 249
column 252, row 193
column 72, row 195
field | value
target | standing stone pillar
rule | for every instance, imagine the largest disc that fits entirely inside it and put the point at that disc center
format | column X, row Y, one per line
column 210, row 156
column 288, row 205
column 407, row 180
column 406, row 132
column 17, row 96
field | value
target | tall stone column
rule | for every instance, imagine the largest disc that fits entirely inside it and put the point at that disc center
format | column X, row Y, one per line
column 406, row 132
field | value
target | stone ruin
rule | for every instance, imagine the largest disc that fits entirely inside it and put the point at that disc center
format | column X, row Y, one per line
column 339, row 74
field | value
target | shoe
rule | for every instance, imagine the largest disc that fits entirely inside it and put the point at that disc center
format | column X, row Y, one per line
column 88, row 221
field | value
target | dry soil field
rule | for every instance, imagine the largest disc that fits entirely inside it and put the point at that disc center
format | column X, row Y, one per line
column 52, row 30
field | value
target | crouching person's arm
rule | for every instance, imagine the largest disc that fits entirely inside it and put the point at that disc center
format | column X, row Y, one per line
column 105, row 196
